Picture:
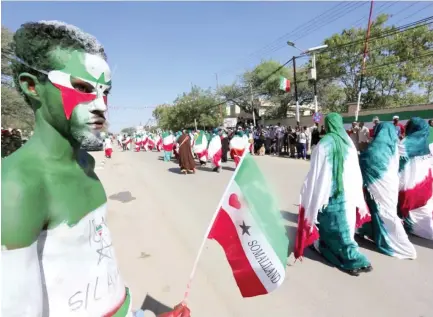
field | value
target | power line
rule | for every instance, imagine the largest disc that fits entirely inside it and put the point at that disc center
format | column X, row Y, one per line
column 393, row 31
column 411, row 15
column 326, row 16
column 336, row 76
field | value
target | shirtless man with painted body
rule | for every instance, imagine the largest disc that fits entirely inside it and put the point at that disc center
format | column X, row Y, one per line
column 57, row 258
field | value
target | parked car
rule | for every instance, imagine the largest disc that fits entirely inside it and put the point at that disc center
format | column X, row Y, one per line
column 92, row 145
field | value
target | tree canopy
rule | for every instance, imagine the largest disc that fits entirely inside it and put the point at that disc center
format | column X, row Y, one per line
column 197, row 105
column 16, row 113
column 399, row 61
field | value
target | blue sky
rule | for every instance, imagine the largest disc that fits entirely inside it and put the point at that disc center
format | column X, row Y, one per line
column 157, row 49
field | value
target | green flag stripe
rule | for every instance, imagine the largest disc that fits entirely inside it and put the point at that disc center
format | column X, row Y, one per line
column 263, row 206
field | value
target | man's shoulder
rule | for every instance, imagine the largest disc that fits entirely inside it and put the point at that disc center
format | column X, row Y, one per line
column 22, row 204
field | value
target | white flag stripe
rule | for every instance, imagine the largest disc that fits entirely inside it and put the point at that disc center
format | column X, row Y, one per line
column 64, row 79
column 244, row 215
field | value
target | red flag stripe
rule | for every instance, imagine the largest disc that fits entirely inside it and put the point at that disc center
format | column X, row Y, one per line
column 225, row 233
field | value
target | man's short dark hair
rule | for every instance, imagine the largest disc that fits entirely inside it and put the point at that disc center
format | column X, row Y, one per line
column 34, row 40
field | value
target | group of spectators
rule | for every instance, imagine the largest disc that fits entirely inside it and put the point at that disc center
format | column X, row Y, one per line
column 299, row 141
column 294, row 142
column 12, row 140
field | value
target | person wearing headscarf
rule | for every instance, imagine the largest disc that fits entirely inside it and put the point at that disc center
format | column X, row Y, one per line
column 127, row 143
column 175, row 144
column 379, row 166
column 137, row 142
column 186, row 160
column 238, row 144
column 151, row 141
column 158, row 141
column 332, row 203
column 430, row 138
column 200, row 147
column 145, row 141
column 415, row 201
column 215, row 151
column 108, row 147
column 224, row 146
column 167, row 145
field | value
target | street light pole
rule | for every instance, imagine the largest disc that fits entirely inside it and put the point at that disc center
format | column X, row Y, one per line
column 296, row 91
column 217, row 88
column 316, row 105
column 252, row 104
column 313, row 70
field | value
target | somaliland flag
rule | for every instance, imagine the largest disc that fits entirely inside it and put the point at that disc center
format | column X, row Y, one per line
column 249, row 227
column 284, row 84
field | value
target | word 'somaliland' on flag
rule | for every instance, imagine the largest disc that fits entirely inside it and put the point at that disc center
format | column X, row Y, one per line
column 284, row 84
column 251, row 231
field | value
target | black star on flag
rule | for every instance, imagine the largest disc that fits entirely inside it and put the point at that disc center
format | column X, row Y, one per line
column 245, row 228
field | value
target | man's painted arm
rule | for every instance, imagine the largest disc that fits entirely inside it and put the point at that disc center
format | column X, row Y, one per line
column 22, row 223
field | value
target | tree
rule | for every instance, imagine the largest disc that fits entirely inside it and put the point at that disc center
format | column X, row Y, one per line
column 263, row 80
column 396, row 64
column 129, row 130
column 198, row 105
column 15, row 111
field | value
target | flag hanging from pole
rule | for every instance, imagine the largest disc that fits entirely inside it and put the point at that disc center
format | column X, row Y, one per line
column 250, row 229
column 284, row 84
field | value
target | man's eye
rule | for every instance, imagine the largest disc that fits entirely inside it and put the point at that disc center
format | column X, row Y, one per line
column 83, row 88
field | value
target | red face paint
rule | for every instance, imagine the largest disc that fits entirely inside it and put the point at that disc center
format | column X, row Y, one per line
column 71, row 98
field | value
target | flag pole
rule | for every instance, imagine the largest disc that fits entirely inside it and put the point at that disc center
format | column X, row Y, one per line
column 200, row 250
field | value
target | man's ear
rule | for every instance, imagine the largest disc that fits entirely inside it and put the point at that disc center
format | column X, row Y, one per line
column 28, row 83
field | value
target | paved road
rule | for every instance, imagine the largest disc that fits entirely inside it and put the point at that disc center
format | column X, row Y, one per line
column 158, row 218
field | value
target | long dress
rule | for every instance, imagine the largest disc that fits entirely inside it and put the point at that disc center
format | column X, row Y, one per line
column 379, row 166
column 186, row 160
column 108, row 148
column 167, row 145
column 415, row 201
column 332, row 202
column 238, row 145
column 215, row 152
column 200, row 148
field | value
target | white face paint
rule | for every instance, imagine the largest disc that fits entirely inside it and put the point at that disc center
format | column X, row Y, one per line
column 95, row 66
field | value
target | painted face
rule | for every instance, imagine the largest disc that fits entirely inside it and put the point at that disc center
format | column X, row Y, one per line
column 84, row 83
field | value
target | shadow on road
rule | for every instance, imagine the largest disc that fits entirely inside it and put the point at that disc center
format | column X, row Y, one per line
column 123, row 197
column 175, row 170
column 365, row 243
column 153, row 305
column 161, row 158
column 291, row 234
column 312, row 254
column 421, row 242
column 208, row 168
column 290, row 216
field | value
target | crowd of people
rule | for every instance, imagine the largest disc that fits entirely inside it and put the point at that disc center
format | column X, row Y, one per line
column 378, row 186
column 375, row 183
column 55, row 199
column 12, row 140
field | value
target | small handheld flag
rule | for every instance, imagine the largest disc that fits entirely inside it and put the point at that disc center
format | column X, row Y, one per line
column 249, row 227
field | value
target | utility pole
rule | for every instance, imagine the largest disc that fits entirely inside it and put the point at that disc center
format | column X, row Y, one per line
column 296, row 91
column 367, row 37
column 252, row 104
column 217, row 88
column 316, row 105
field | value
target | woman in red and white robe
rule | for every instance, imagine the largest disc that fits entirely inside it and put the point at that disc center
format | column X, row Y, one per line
column 238, row 144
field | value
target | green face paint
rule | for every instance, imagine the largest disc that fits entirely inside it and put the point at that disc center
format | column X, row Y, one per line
column 84, row 81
